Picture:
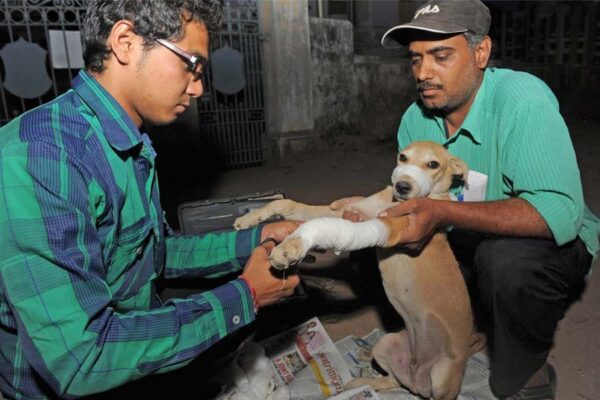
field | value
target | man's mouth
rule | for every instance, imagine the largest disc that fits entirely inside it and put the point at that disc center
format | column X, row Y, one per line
column 428, row 90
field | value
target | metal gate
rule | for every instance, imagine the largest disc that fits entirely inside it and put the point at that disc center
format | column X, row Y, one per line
column 39, row 60
column 232, row 113
column 28, row 28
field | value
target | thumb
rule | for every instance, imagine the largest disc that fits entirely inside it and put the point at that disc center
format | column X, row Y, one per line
column 268, row 244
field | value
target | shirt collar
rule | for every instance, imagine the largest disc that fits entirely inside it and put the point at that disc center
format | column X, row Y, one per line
column 119, row 129
column 475, row 117
column 471, row 126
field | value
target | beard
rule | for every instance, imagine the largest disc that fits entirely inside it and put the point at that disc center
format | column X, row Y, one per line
column 445, row 102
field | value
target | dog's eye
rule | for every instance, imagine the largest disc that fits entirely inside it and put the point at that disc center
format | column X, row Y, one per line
column 433, row 164
column 402, row 158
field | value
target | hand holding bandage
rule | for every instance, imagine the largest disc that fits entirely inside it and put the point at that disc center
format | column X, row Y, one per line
column 257, row 273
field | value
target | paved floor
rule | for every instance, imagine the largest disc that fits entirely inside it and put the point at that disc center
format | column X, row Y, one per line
column 346, row 305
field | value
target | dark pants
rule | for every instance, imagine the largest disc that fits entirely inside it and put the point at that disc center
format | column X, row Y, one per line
column 520, row 288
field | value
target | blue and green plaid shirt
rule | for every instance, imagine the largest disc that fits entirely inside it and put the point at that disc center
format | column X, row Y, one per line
column 82, row 243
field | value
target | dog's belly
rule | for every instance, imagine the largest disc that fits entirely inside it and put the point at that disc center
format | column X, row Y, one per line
column 429, row 293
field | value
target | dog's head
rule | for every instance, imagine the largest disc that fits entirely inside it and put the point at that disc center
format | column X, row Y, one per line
column 426, row 169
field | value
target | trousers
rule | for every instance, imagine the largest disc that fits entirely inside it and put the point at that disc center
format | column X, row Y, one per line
column 520, row 289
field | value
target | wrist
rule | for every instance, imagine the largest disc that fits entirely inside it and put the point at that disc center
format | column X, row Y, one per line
column 440, row 213
column 252, row 293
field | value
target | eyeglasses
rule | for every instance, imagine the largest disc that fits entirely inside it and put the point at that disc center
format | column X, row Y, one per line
column 195, row 64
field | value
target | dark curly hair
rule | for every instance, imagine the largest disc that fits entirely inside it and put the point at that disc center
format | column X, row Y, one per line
column 156, row 19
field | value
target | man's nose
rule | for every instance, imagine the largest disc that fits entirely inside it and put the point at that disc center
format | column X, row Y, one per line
column 195, row 88
column 424, row 71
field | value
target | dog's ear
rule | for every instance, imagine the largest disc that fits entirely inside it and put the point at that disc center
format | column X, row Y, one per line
column 459, row 170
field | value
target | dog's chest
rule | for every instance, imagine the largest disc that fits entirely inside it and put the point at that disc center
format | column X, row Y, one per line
column 398, row 275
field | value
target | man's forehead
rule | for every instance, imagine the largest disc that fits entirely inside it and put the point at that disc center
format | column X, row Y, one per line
column 195, row 39
column 423, row 45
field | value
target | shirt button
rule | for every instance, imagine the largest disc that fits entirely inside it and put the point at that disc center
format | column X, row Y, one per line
column 139, row 250
column 236, row 319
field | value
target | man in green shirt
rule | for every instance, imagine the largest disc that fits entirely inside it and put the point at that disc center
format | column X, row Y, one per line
column 82, row 232
column 526, row 249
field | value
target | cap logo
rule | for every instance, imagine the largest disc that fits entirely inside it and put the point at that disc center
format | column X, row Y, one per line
column 428, row 9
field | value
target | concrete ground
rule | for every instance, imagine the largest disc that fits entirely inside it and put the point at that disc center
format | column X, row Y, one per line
column 347, row 300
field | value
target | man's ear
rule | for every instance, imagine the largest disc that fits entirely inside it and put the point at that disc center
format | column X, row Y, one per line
column 483, row 52
column 122, row 40
column 459, row 169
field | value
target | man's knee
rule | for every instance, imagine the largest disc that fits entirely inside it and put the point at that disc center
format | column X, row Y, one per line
column 506, row 266
column 495, row 260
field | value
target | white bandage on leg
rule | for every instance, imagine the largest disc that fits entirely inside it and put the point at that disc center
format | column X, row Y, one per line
column 342, row 235
column 422, row 180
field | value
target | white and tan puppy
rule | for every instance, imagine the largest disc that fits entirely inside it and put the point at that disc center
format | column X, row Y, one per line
column 427, row 288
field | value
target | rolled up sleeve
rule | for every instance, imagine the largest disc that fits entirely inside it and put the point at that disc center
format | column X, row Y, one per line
column 544, row 169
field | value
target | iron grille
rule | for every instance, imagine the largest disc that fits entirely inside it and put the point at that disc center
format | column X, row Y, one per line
column 232, row 123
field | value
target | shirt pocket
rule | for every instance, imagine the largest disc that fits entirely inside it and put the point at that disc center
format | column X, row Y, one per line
column 131, row 246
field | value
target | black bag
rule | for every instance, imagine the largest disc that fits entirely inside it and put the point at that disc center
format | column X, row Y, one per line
column 217, row 215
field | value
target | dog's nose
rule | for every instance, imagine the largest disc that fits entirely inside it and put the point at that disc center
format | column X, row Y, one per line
column 403, row 187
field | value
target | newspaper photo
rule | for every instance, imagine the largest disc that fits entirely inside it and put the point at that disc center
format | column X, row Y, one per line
column 306, row 360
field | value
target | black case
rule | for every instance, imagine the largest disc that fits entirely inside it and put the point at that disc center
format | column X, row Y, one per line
column 217, row 215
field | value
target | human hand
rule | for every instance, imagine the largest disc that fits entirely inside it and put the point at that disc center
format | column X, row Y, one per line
column 423, row 221
column 278, row 230
column 257, row 273
column 349, row 213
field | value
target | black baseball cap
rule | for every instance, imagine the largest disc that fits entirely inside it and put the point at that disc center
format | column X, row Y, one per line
column 445, row 17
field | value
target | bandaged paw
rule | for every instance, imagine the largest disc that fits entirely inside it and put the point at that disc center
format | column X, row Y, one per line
column 291, row 251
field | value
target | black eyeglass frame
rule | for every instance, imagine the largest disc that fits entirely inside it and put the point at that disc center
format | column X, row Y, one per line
column 192, row 61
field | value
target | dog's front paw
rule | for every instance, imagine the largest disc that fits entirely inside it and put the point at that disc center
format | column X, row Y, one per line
column 248, row 220
column 289, row 252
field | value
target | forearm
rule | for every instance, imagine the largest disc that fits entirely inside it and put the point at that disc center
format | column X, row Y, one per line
column 211, row 255
column 511, row 217
column 79, row 356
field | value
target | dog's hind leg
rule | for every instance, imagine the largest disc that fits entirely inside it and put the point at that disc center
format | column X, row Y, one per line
column 392, row 354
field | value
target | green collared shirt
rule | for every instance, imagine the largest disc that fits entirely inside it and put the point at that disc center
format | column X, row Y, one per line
column 515, row 135
column 82, row 243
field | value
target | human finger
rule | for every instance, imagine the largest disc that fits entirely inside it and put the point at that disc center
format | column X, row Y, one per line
column 395, row 211
column 267, row 245
column 351, row 215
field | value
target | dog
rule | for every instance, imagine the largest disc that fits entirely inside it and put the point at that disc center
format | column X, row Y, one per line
column 426, row 288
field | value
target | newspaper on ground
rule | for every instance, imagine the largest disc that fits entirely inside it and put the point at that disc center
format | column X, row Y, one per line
column 306, row 360
column 360, row 393
column 303, row 363
column 249, row 377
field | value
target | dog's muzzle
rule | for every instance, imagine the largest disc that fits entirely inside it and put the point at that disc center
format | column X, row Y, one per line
column 410, row 181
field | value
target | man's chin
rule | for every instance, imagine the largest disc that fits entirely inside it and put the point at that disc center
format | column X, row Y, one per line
column 162, row 121
column 431, row 104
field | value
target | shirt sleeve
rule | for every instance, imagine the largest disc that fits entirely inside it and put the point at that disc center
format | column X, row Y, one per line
column 211, row 255
column 70, row 327
column 404, row 138
column 543, row 168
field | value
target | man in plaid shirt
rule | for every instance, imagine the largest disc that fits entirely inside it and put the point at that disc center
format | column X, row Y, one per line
column 82, row 232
